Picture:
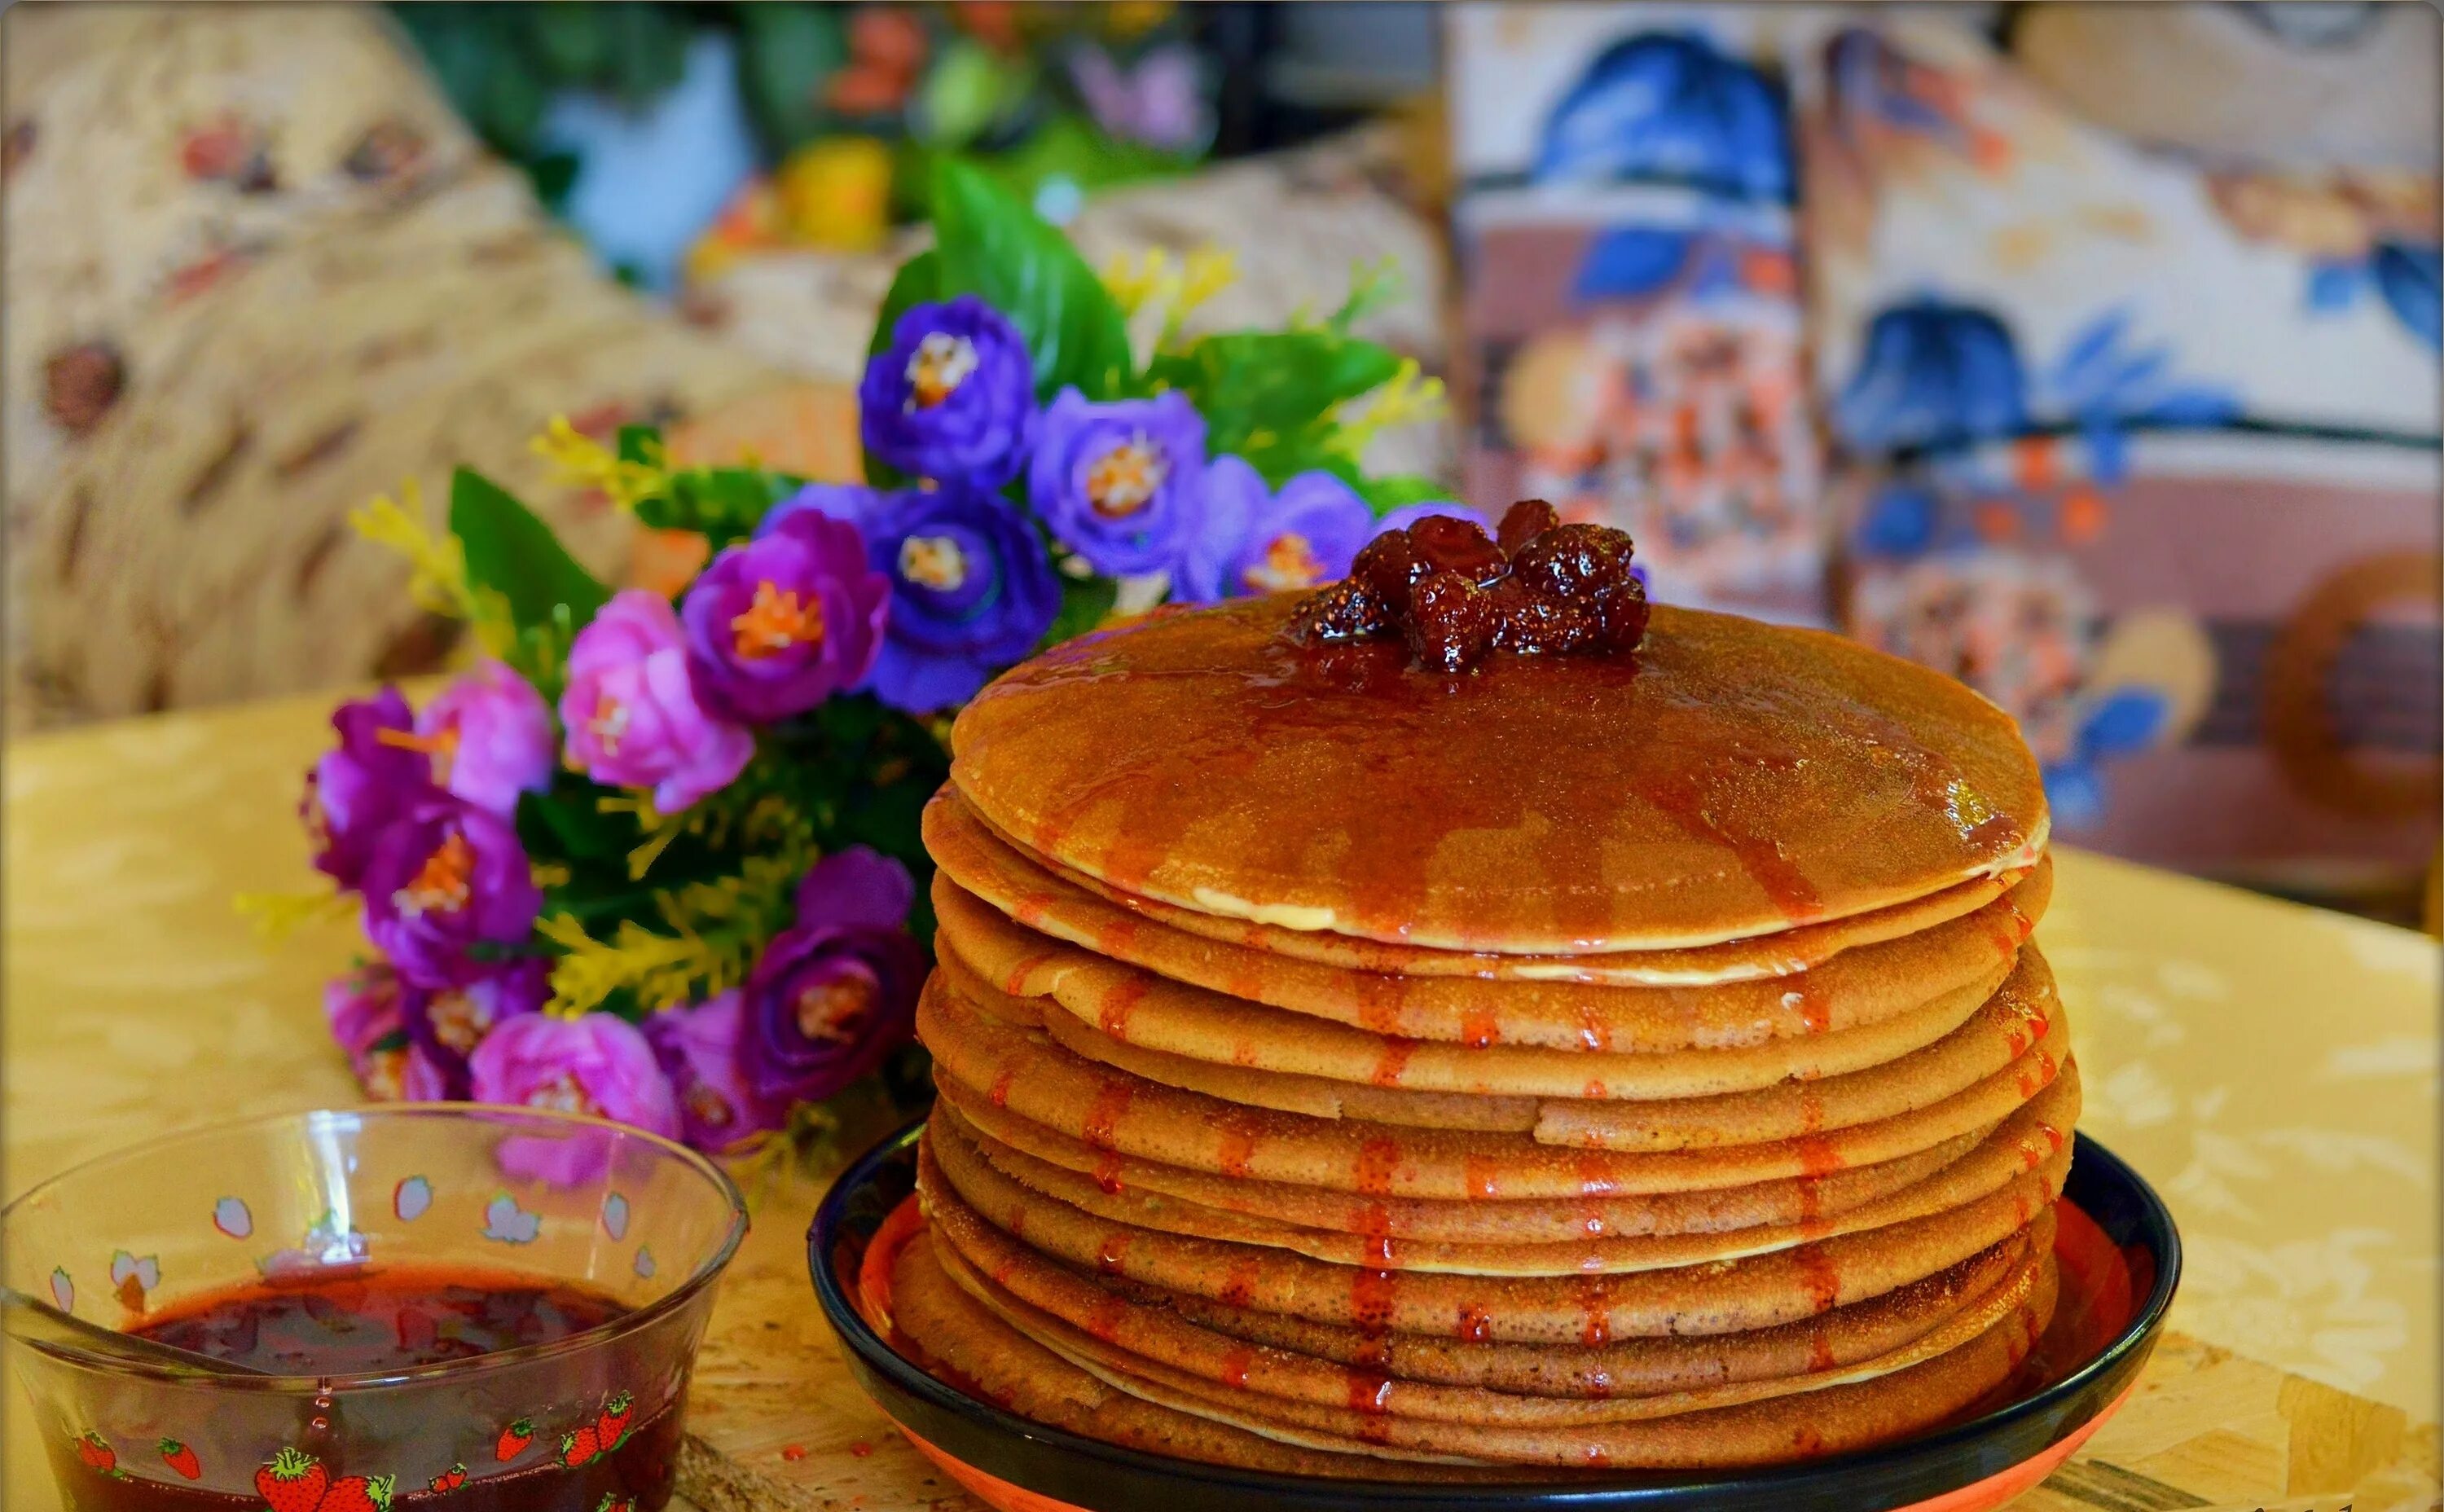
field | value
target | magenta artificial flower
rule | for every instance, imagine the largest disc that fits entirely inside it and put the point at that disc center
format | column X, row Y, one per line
column 632, row 712
column 489, row 738
column 362, row 1007
column 421, row 1079
column 373, row 775
column 779, row 623
column 443, row 879
column 447, row 1023
column 598, row 1065
column 699, row 1047
column 835, row 991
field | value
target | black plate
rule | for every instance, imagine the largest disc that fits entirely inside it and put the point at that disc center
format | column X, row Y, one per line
column 1106, row 1478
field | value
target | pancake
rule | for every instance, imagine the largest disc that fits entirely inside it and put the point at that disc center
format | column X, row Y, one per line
column 1081, row 1319
column 1627, row 1366
column 1022, row 1070
column 1725, row 1297
column 1993, row 1033
column 1829, row 1418
column 1479, row 1220
column 1142, row 931
column 1729, row 780
column 957, row 1340
column 1645, row 1032
column 2021, row 1144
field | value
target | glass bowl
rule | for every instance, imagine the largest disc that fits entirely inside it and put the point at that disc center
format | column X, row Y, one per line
column 321, row 1212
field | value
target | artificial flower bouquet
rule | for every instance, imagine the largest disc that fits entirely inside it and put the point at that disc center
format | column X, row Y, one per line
column 656, row 858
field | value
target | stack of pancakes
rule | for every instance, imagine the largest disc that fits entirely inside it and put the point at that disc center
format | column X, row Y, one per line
column 1631, row 1061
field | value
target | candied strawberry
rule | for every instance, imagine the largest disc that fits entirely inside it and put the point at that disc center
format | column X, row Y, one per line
column 1524, row 521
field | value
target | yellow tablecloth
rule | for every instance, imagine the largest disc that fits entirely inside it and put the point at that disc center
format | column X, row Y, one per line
column 2270, row 1067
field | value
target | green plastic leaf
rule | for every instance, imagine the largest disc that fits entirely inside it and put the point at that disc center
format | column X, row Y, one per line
column 786, row 54
column 512, row 552
column 919, row 279
column 569, row 38
column 1084, row 601
column 566, row 822
column 1265, row 392
column 991, row 244
column 1399, row 490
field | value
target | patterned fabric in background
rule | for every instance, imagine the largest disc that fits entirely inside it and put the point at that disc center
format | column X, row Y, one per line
column 2145, row 452
column 1631, row 328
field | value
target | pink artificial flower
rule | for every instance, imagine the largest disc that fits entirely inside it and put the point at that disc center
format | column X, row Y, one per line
column 631, row 710
column 598, row 1065
column 489, row 737
column 698, row 1046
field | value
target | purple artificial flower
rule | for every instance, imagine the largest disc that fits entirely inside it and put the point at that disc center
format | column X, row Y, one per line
column 1121, row 483
column 1158, row 100
column 443, row 877
column 631, row 709
column 699, row 1047
column 1254, row 541
column 447, row 1023
column 421, row 1079
column 598, row 1064
column 971, row 589
column 374, row 775
column 780, row 623
column 837, row 988
column 362, row 1007
column 953, row 396
column 489, row 738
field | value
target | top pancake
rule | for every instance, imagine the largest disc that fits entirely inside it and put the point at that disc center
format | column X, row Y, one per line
column 1730, row 780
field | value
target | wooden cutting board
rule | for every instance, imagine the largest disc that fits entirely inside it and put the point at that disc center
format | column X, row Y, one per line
column 776, row 1425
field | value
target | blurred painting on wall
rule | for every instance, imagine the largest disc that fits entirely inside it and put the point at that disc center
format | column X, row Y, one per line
column 2142, row 445
column 1630, row 328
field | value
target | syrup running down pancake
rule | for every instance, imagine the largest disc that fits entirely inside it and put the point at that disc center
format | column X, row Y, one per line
column 1620, row 1058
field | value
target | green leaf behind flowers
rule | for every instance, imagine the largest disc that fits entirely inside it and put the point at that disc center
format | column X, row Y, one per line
column 512, row 553
column 1397, row 491
column 988, row 244
column 1267, row 395
column 919, row 279
column 1084, row 602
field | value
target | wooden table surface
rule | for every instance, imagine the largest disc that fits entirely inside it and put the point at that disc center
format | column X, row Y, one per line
column 2271, row 1068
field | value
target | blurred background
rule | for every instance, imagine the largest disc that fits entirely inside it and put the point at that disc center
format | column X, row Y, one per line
column 2087, row 352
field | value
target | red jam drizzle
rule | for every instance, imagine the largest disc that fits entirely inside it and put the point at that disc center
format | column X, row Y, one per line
column 1378, row 1159
column 1235, row 1365
column 1476, row 1324
column 1238, row 1152
column 1821, row 1278
column 1393, row 1062
column 1104, row 1115
column 1124, row 1001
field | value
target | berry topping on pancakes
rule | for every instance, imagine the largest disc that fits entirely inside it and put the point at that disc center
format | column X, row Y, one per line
column 1456, row 594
